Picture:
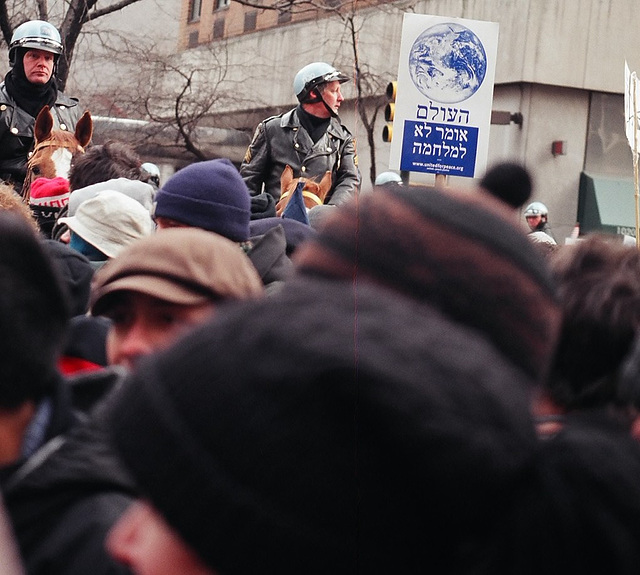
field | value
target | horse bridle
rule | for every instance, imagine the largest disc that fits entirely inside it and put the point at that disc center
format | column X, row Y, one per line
column 50, row 144
column 39, row 146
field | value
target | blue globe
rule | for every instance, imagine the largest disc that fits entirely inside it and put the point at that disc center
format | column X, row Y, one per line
column 448, row 63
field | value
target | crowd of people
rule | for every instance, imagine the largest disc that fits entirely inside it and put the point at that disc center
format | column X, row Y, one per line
column 191, row 384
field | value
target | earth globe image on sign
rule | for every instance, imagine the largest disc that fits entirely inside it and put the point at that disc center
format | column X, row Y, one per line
column 448, row 63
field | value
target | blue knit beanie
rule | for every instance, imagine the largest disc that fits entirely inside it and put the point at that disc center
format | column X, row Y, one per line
column 209, row 195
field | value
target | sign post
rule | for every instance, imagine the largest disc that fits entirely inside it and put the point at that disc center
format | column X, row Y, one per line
column 444, row 96
column 631, row 119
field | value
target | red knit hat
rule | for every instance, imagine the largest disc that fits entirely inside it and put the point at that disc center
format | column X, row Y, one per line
column 52, row 193
column 48, row 197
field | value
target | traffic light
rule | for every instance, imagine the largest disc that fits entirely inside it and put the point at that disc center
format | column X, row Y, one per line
column 389, row 111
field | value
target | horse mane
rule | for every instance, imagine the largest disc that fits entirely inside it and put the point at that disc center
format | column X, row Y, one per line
column 314, row 191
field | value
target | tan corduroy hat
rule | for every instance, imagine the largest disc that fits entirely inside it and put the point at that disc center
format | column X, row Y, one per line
column 186, row 266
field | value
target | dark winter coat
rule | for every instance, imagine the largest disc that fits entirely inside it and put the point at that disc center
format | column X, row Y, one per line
column 64, row 499
column 282, row 140
column 268, row 254
column 16, row 131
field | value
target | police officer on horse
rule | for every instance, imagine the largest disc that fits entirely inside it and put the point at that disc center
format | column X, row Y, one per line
column 29, row 85
column 310, row 138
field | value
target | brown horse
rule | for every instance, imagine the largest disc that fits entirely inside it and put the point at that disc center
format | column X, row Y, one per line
column 314, row 192
column 53, row 149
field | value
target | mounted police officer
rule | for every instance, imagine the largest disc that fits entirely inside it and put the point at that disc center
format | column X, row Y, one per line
column 30, row 85
column 537, row 216
column 309, row 138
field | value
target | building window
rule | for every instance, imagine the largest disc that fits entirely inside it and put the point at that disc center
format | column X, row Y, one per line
column 220, row 4
column 193, row 39
column 607, row 147
column 218, row 28
column 284, row 17
column 195, row 6
column 250, row 19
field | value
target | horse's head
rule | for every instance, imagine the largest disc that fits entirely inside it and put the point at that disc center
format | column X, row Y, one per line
column 53, row 149
column 314, row 192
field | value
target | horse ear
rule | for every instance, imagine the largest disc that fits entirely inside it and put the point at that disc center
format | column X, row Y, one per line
column 43, row 125
column 286, row 178
column 84, row 129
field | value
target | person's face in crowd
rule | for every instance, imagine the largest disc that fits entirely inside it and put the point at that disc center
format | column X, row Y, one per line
column 38, row 66
column 142, row 540
column 143, row 324
column 163, row 223
column 534, row 222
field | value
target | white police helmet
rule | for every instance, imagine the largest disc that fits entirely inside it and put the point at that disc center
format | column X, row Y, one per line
column 388, row 178
column 35, row 34
column 536, row 209
column 153, row 171
column 312, row 76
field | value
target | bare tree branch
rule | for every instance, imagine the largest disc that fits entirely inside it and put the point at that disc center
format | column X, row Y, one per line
column 298, row 6
column 109, row 9
column 182, row 126
column 5, row 24
column 178, row 95
column 78, row 13
column 43, row 10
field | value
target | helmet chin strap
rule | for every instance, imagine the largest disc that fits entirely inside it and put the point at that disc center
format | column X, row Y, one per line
column 330, row 110
column 319, row 98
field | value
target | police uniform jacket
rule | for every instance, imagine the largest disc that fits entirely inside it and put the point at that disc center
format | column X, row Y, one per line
column 282, row 140
column 16, row 131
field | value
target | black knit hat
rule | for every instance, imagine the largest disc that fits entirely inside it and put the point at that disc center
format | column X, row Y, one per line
column 295, row 232
column 76, row 272
column 508, row 181
column 582, row 513
column 458, row 251
column 327, row 429
column 33, row 314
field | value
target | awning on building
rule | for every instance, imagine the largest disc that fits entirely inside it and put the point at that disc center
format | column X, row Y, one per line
column 607, row 205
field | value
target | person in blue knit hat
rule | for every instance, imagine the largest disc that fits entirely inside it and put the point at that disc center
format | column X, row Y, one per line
column 211, row 195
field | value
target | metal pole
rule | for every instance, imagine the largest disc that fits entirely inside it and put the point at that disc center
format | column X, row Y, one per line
column 635, row 161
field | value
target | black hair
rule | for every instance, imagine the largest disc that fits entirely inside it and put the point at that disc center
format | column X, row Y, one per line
column 580, row 511
column 33, row 314
column 599, row 288
column 103, row 162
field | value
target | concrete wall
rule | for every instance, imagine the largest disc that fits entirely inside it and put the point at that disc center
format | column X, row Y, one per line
column 556, row 114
